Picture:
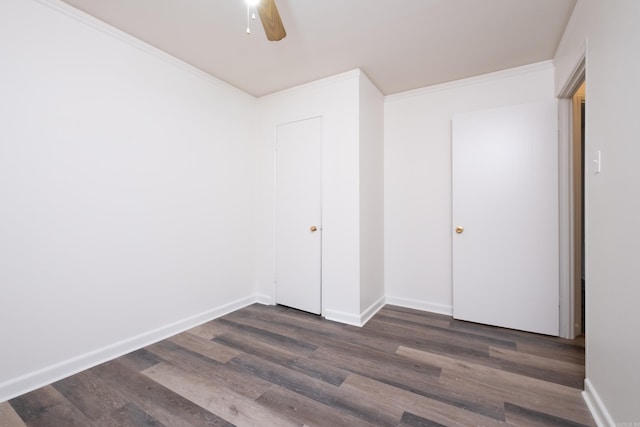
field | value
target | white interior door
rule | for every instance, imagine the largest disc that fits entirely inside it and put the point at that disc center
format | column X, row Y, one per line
column 505, row 197
column 298, row 215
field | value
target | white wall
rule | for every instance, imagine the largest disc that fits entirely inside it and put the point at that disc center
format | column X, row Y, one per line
column 126, row 190
column 417, row 177
column 371, row 197
column 335, row 99
column 609, row 33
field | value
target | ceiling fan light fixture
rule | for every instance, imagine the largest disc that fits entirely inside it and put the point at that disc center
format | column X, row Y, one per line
column 270, row 17
column 251, row 16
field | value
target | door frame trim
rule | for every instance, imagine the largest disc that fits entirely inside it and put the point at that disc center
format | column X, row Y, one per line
column 566, row 194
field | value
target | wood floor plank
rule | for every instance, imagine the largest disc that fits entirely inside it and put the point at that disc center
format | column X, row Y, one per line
column 485, row 405
column 541, row 345
column 437, row 341
column 162, row 404
column 314, row 389
column 384, row 368
column 128, row 416
column 552, row 350
column 308, row 411
column 39, row 406
column 139, row 360
column 518, row 416
column 274, row 338
column 371, row 362
column 193, row 363
column 522, row 339
column 250, row 345
column 474, row 379
column 567, row 373
column 8, row 416
column 412, row 420
column 310, row 328
column 207, row 330
column 35, row 403
column 261, row 346
column 398, row 401
column 424, row 318
column 450, row 335
column 91, row 395
column 206, row 347
column 322, row 371
column 218, row 399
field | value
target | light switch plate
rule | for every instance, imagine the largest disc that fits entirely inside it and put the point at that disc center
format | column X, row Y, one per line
column 597, row 162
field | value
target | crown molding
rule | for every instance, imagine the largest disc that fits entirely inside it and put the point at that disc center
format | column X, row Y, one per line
column 103, row 27
column 323, row 82
column 483, row 78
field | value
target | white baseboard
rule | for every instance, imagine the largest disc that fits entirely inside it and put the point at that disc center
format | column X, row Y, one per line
column 598, row 411
column 372, row 310
column 49, row 374
column 342, row 317
column 265, row 299
column 421, row 305
column 355, row 319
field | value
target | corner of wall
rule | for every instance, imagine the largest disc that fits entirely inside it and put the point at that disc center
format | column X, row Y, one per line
column 355, row 319
column 599, row 412
column 370, row 311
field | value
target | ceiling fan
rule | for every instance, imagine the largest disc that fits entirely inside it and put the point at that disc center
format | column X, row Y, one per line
column 270, row 17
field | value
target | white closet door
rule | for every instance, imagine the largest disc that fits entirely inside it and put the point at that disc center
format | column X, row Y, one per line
column 505, row 198
column 298, row 215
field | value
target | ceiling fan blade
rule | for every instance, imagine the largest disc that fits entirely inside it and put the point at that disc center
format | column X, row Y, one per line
column 271, row 21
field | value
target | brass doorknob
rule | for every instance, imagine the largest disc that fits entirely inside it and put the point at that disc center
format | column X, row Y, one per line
column 313, row 228
column 459, row 229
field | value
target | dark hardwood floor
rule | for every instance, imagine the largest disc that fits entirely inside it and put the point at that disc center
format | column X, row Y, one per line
column 275, row 366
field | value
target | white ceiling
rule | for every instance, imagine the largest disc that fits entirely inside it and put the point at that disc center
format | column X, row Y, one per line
column 399, row 44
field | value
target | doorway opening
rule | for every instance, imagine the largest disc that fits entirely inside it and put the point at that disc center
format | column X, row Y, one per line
column 578, row 160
